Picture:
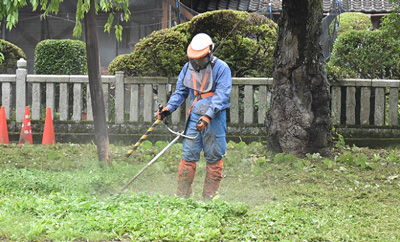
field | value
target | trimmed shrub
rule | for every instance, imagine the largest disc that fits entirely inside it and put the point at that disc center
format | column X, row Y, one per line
column 12, row 54
column 122, row 63
column 352, row 21
column 365, row 54
column 162, row 53
column 248, row 47
column 249, row 44
column 60, row 57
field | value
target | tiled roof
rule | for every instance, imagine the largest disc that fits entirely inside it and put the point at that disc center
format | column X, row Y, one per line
column 365, row 6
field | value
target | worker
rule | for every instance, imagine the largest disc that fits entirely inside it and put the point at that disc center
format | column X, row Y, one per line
column 208, row 82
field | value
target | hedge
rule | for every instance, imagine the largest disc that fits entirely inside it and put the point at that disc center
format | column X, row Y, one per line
column 365, row 54
column 60, row 57
column 352, row 21
column 162, row 53
column 248, row 47
column 12, row 54
column 122, row 63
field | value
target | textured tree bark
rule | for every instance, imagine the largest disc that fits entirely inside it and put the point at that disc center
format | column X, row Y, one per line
column 298, row 121
column 96, row 91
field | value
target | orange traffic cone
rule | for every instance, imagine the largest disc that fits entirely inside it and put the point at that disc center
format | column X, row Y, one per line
column 3, row 127
column 26, row 130
column 48, row 133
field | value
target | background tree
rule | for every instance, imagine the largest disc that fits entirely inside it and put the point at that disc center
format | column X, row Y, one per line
column 391, row 22
column 298, row 121
column 86, row 10
column 11, row 54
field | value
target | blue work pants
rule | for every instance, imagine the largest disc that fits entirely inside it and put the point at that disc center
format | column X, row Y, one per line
column 212, row 140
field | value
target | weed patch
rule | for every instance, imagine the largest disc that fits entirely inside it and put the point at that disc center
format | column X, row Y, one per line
column 59, row 193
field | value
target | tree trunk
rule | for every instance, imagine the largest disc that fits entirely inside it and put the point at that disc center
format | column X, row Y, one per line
column 298, row 121
column 96, row 91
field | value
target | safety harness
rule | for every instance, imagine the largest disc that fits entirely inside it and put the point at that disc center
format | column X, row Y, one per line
column 199, row 94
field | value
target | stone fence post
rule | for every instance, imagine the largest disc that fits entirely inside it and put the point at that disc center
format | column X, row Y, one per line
column 22, row 72
column 119, row 97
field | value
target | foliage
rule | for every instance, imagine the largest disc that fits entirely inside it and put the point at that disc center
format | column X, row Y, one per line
column 248, row 47
column 391, row 23
column 58, row 193
column 60, row 57
column 164, row 49
column 11, row 54
column 247, row 39
column 9, row 10
column 366, row 54
column 352, row 21
column 122, row 63
column 335, row 73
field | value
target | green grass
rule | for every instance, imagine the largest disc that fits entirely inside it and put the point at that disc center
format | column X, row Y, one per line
column 59, row 193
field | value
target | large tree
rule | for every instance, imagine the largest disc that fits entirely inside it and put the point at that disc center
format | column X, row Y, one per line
column 86, row 10
column 298, row 121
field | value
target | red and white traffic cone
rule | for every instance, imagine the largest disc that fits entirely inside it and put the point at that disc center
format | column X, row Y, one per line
column 26, row 130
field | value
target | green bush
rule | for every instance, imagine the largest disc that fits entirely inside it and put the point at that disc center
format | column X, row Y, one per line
column 60, row 57
column 122, row 63
column 12, row 54
column 162, row 53
column 249, row 44
column 366, row 54
column 248, row 47
column 352, row 21
column 391, row 22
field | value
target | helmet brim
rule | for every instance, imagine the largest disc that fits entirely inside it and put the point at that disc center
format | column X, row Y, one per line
column 197, row 54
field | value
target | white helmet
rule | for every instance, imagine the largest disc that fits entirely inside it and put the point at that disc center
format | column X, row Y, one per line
column 200, row 46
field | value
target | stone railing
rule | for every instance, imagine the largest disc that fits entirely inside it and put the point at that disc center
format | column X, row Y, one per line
column 366, row 102
column 130, row 103
column 132, row 99
column 367, row 107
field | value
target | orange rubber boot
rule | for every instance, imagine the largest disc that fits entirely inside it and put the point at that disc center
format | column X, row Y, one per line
column 213, row 179
column 186, row 173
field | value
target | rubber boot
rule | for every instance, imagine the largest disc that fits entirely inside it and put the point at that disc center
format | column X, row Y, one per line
column 213, row 179
column 186, row 173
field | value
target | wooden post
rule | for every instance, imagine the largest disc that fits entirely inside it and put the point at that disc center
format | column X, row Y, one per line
column 164, row 14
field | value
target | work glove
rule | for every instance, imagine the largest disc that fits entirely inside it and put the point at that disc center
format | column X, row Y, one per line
column 203, row 122
column 162, row 112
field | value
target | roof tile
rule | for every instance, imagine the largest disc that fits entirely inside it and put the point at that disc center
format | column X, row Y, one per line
column 365, row 6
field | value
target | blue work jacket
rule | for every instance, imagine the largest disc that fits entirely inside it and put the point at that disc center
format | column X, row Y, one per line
column 210, row 106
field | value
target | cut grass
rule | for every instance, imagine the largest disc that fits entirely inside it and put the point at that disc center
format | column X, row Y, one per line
column 59, row 193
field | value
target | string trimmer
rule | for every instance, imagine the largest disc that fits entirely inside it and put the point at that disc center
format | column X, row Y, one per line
column 178, row 135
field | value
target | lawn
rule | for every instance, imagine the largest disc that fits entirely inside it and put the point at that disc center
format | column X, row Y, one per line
column 59, row 193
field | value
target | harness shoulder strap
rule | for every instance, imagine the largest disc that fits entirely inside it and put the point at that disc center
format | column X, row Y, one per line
column 213, row 61
column 200, row 95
